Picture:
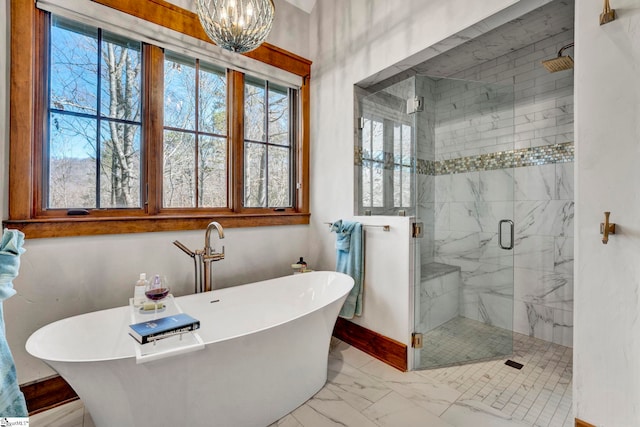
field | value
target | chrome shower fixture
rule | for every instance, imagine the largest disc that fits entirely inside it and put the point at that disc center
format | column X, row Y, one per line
column 561, row 62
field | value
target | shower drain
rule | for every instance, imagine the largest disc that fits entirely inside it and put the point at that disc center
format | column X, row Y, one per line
column 514, row 364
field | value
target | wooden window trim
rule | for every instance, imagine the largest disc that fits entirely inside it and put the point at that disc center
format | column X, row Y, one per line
column 25, row 164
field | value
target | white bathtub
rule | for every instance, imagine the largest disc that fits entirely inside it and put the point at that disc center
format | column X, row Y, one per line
column 266, row 348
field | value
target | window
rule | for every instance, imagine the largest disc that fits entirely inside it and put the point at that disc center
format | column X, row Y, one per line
column 385, row 177
column 195, row 134
column 402, row 165
column 93, row 124
column 137, row 138
column 268, row 144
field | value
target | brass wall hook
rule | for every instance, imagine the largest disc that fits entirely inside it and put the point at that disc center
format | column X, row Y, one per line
column 607, row 228
column 607, row 14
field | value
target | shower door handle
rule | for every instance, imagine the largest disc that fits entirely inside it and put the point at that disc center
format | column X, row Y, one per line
column 508, row 221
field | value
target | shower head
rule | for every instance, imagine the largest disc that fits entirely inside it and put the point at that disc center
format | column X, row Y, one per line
column 561, row 62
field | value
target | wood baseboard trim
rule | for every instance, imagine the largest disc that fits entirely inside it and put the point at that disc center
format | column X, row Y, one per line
column 580, row 423
column 48, row 393
column 383, row 348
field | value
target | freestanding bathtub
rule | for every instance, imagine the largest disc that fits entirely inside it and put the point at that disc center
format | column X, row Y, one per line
column 265, row 353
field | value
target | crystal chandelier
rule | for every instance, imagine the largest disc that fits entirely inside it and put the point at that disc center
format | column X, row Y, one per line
column 236, row 25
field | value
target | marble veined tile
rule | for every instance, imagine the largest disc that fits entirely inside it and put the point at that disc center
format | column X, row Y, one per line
column 288, row 421
column 563, row 327
column 535, row 252
column 458, row 244
column 563, row 256
column 425, row 191
column 433, row 396
column 553, row 289
column 477, row 414
column 441, row 214
column 535, row 182
column 547, row 218
column 350, row 355
column 564, row 181
column 496, row 185
column 490, row 278
column 461, row 187
column 496, row 310
column 68, row 415
column 395, row 410
column 465, row 216
column 533, row 320
column 478, row 216
column 354, row 387
column 326, row 409
column 491, row 213
column 492, row 253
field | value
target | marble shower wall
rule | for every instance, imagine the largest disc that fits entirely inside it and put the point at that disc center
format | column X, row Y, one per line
column 473, row 120
column 467, row 210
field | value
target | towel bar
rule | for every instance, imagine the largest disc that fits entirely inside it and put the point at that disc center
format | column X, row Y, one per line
column 384, row 227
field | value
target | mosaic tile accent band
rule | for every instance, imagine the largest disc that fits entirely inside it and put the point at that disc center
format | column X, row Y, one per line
column 534, row 156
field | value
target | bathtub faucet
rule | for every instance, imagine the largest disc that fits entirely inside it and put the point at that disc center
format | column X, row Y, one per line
column 202, row 259
column 209, row 254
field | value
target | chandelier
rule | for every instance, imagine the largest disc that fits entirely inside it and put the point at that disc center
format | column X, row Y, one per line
column 236, row 25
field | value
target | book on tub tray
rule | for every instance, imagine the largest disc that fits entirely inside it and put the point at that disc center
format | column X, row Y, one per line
column 152, row 330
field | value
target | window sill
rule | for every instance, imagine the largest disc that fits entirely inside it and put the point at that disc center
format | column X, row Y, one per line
column 68, row 227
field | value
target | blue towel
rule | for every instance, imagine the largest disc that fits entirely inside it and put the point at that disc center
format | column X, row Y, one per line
column 350, row 260
column 12, row 402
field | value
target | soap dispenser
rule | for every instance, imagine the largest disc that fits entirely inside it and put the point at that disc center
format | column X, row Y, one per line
column 139, row 298
column 300, row 266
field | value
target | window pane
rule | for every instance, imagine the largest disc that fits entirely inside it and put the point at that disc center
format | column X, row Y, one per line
column 366, row 139
column 377, row 144
column 366, row 183
column 406, row 144
column 397, row 144
column 279, row 182
column 254, row 110
column 121, row 78
column 397, row 187
column 213, row 100
column 179, row 171
column 278, row 115
column 378, row 185
column 74, row 67
column 255, row 172
column 72, row 164
column 119, row 165
column 179, row 92
column 212, row 172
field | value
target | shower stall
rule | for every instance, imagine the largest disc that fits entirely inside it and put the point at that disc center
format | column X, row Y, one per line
column 441, row 150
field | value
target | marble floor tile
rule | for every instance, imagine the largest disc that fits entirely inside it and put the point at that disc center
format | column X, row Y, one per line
column 363, row 392
column 69, row 415
column 327, row 409
column 288, row 421
column 395, row 410
column 477, row 414
column 354, row 386
column 352, row 356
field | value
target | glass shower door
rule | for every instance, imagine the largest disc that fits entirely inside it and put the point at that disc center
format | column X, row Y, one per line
column 464, row 263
